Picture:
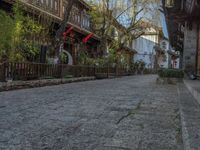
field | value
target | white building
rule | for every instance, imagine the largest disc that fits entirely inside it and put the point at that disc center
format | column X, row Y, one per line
column 174, row 57
column 165, row 59
column 145, row 45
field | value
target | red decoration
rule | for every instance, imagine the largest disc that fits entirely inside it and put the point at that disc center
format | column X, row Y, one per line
column 85, row 40
column 69, row 30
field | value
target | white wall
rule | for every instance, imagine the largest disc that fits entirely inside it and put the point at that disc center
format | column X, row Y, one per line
column 144, row 45
column 165, row 60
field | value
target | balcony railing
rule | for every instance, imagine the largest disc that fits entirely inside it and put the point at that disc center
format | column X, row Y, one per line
column 78, row 17
column 82, row 20
column 49, row 6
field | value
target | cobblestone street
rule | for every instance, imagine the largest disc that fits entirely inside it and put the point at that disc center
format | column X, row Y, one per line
column 129, row 113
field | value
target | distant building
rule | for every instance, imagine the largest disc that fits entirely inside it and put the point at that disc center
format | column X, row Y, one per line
column 149, row 50
column 165, row 46
column 174, row 59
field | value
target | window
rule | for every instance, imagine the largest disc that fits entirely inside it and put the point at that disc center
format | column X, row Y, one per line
column 51, row 1
column 47, row 2
column 56, row 5
column 63, row 9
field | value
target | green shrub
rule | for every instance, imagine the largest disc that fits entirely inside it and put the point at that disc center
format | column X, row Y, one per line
column 171, row 73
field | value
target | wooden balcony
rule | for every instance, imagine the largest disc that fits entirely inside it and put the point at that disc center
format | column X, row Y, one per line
column 55, row 8
column 79, row 16
column 49, row 7
column 192, row 8
column 80, row 19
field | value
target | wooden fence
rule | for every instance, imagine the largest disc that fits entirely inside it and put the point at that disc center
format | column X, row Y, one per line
column 31, row 71
column 2, row 73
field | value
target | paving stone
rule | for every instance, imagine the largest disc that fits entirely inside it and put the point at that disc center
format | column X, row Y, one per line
column 190, row 118
column 85, row 116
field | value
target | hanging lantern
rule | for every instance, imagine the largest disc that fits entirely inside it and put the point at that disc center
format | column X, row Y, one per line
column 69, row 30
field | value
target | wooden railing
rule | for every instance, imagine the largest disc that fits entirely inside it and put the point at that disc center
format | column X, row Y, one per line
column 31, row 71
column 78, row 17
column 50, row 6
column 81, row 19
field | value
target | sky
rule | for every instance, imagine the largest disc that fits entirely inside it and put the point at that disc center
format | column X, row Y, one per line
column 153, row 14
column 164, row 26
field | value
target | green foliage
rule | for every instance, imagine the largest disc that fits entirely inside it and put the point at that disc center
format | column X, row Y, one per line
column 82, row 57
column 14, row 34
column 171, row 73
column 6, row 34
column 63, row 57
column 29, row 50
column 112, row 56
column 101, row 61
column 31, row 26
column 139, row 65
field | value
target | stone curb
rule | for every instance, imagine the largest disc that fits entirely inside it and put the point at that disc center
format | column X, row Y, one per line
column 185, row 135
column 190, row 118
column 192, row 90
column 6, row 86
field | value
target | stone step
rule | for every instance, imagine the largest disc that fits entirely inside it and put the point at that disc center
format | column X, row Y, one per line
column 190, row 118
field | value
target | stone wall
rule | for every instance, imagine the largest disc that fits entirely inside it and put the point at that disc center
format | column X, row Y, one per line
column 6, row 86
column 190, row 47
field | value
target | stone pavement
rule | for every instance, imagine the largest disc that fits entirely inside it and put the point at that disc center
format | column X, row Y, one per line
column 129, row 113
column 190, row 114
column 194, row 87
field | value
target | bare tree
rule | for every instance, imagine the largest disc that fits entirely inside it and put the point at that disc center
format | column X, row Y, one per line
column 130, row 13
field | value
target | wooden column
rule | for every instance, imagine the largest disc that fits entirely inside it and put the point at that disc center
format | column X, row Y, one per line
column 198, row 50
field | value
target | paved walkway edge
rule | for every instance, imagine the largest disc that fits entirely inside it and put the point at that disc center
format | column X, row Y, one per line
column 190, row 118
column 6, row 86
column 185, row 135
column 192, row 90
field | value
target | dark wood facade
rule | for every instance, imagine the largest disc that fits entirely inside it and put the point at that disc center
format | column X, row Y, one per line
column 54, row 10
column 183, row 23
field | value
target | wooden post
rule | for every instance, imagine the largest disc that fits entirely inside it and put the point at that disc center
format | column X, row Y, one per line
column 62, row 70
column 108, row 71
column 94, row 71
column 116, row 70
column 3, row 72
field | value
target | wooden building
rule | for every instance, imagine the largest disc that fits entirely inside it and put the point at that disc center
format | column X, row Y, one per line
column 183, row 26
column 79, row 34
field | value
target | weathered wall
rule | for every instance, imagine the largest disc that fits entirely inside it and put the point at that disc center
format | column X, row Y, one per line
column 190, row 47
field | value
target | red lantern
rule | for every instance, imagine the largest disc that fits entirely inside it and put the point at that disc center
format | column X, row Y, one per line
column 69, row 30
